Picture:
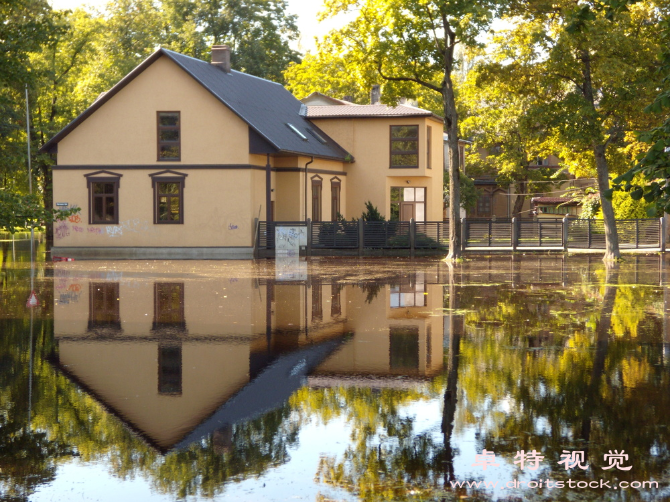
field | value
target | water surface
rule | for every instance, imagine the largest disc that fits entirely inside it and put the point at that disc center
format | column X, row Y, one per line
column 333, row 379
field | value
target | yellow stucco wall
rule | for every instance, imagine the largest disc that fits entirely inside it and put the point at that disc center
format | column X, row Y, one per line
column 368, row 140
column 124, row 130
column 219, row 209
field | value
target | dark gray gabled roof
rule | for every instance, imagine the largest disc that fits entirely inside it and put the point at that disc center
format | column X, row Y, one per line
column 267, row 107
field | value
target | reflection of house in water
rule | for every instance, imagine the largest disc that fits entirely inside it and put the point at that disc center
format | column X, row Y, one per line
column 178, row 356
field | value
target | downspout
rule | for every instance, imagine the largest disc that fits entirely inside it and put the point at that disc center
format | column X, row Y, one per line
column 268, row 190
column 311, row 160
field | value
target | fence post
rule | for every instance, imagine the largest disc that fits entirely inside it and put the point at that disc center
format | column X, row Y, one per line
column 464, row 233
column 661, row 235
column 361, row 237
column 588, row 233
column 515, row 233
column 637, row 234
column 412, row 236
column 566, row 228
column 490, row 231
column 309, row 237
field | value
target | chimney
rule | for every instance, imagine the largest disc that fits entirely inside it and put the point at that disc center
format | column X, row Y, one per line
column 221, row 57
column 375, row 94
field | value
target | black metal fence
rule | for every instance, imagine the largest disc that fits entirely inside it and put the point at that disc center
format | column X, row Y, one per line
column 475, row 233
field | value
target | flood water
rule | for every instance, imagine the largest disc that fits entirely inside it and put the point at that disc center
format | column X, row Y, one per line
column 335, row 379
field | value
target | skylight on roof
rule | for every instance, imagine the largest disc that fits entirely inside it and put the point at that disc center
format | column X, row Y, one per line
column 295, row 130
column 318, row 137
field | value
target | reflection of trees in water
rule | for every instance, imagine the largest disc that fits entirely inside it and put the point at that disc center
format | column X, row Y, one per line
column 546, row 368
column 231, row 454
column 588, row 380
column 28, row 455
column 67, row 422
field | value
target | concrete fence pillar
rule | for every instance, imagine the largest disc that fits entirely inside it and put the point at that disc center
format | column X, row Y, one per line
column 412, row 236
column 309, row 236
column 515, row 233
column 566, row 228
column 464, row 234
column 361, row 236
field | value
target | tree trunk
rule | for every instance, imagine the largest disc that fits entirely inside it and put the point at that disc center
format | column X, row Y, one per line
column 451, row 124
column 612, row 252
column 520, row 199
column 611, row 238
column 47, row 192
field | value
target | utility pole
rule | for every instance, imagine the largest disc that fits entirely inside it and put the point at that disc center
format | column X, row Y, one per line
column 30, row 174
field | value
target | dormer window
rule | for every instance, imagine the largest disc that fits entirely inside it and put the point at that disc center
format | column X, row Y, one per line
column 169, row 136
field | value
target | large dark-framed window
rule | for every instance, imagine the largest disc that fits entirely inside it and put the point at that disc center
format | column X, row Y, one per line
column 103, row 197
column 169, row 135
column 404, row 146
column 168, row 197
column 317, row 185
column 335, row 191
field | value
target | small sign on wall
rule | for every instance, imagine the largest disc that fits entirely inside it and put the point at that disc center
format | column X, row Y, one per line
column 62, row 204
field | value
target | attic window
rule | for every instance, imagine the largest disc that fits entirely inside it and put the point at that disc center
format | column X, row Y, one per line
column 318, row 137
column 295, row 130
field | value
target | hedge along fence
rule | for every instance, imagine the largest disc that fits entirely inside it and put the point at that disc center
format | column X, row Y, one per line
column 475, row 233
column 362, row 234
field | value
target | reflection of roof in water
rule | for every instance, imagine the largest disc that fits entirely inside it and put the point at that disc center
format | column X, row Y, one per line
column 272, row 386
column 269, row 390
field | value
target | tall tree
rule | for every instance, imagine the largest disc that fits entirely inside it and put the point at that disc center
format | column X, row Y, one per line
column 409, row 44
column 648, row 178
column 26, row 25
column 594, row 62
column 258, row 31
column 504, row 120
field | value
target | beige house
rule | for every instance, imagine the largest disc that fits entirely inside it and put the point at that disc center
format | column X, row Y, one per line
column 182, row 357
column 181, row 157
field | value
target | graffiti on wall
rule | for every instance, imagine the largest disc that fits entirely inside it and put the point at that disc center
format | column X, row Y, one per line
column 61, row 230
column 134, row 225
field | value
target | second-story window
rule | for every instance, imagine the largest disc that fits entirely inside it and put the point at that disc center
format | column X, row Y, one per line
column 169, row 136
column 405, row 146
